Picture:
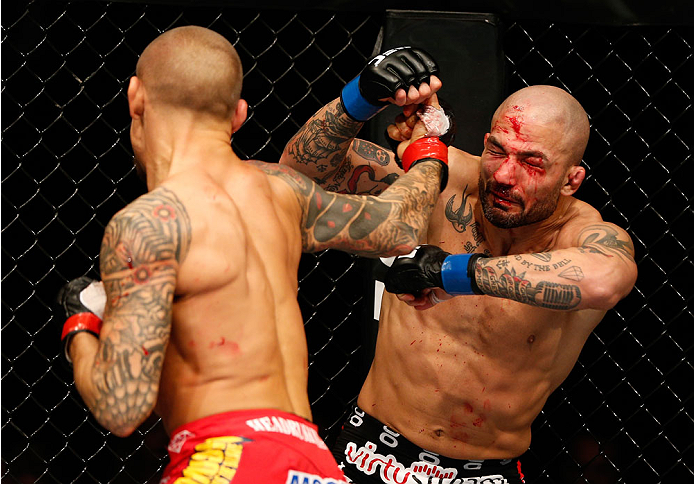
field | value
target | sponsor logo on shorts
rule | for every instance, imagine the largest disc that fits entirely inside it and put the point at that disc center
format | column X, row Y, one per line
column 178, row 440
column 368, row 461
column 297, row 477
column 215, row 460
column 287, row 427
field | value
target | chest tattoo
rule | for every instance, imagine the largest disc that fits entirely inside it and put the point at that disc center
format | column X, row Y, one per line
column 463, row 216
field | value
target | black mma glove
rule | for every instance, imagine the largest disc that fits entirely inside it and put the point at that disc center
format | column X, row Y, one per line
column 83, row 301
column 429, row 266
column 397, row 68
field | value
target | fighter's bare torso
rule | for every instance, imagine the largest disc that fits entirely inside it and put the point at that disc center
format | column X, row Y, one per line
column 237, row 338
column 467, row 377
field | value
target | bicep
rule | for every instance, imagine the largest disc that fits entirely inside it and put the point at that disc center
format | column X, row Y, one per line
column 611, row 251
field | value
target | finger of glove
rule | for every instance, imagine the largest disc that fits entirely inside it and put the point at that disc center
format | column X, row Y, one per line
column 81, row 295
column 418, row 95
column 427, row 61
column 405, row 74
column 435, row 83
column 69, row 295
column 398, row 71
column 406, row 280
column 419, row 63
column 376, row 84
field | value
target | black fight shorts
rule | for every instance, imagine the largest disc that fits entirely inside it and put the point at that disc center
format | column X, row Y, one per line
column 369, row 452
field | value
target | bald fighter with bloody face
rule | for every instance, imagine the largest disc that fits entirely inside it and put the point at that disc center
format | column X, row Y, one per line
column 489, row 315
column 197, row 317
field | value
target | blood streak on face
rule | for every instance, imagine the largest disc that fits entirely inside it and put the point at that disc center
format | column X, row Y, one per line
column 516, row 123
column 516, row 120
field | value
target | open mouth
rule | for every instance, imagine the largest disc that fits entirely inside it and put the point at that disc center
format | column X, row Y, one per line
column 503, row 200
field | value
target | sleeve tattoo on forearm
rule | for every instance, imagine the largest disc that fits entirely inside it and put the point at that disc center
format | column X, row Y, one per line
column 507, row 283
column 367, row 225
column 141, row 250
column 324, row 138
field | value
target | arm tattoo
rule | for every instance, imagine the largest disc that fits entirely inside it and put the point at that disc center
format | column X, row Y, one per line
column 505, row 277
column 364, row 225
column 142, row 248
column 371, row 152
column 506, row 283
column 604, row 239
column 324, row 139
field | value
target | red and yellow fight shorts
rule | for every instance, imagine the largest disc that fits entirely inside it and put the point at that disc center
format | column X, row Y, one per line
column 250, row 446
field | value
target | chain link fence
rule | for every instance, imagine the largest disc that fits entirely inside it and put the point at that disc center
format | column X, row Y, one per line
column 623, row 415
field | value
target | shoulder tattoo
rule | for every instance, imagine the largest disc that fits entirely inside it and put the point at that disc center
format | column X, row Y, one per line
column 606, row 240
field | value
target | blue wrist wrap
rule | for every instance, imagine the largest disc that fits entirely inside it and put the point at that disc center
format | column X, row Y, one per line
column 354, row 103
column 455, row 277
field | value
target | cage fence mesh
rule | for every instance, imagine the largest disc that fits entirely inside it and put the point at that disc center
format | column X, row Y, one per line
column 623, row 414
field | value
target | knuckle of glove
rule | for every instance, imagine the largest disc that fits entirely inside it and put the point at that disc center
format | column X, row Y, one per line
column 400, row 69
column 406, row 277
column 377, row 85
column 414, row 273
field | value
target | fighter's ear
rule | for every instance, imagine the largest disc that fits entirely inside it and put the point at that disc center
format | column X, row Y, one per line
column 136, row 98
column 240, row 115
column 574, row 178
column 136, row 103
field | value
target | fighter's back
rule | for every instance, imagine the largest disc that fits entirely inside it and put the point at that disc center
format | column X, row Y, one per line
column 237, row 338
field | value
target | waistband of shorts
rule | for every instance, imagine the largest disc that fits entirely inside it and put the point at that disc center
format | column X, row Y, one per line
column 237, row 419
column 375, row 427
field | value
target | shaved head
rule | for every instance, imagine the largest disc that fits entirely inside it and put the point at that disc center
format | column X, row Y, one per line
column 192, row 68
column 551, row 106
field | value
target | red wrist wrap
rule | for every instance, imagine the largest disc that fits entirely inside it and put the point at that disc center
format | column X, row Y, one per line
column 430, row 147
column 82, row 322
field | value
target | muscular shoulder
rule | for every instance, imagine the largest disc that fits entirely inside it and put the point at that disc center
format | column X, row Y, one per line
column 154, row 228
column 586, row 227
column 288, row 176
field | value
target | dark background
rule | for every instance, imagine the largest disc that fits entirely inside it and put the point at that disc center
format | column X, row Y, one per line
column 623, row 415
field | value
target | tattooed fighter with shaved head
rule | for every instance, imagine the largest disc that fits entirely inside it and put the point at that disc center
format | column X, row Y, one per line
column 457, row 381
column 197, row 317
